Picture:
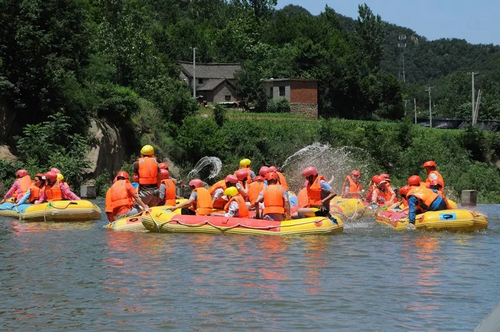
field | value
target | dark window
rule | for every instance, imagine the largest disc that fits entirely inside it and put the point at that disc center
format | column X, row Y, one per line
column 227, row 97
column 200, row 81
column 271, row 92
column 282, row 91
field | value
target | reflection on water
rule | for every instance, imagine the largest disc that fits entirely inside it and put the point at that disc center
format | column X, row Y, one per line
column 80, row 276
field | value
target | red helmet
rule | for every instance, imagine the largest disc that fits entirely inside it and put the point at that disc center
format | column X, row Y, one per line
column 404, row 190
column 263, row 171
column 197, row 183
column 123, row 174
column 258, row 178
column 273, row 169
column 39, row 175
column 309, row 171
column 135, row 178
column 414, row 180
column 385, row 176
column 356, row 173
column 164, row 174
column 21, row 173
column 430, row 164
column 231, row 179
column 163, row 165
column 242, row 174
column 376, row 179
column 272, row 176
column 51, row 176
column 55, row 170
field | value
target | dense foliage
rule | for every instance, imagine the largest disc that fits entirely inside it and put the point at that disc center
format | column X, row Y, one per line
column 117, row 60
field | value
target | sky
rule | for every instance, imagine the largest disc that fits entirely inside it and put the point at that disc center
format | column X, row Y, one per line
column 475, row 21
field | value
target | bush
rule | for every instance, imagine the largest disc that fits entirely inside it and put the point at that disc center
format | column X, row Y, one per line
column 220, row 114
column 278, row 106
column 52, row 144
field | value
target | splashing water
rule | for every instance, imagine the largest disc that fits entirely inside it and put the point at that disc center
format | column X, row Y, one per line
column 215, row 164
column 332, row 163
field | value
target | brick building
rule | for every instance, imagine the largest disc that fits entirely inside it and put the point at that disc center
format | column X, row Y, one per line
column 301, row 93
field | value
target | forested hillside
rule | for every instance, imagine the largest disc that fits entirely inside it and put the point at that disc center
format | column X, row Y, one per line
column 117, row 60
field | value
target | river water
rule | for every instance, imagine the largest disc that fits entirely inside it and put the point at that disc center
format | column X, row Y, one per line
column 80, row 276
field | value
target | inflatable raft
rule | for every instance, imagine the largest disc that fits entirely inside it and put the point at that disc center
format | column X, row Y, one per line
column 455, row 220
column 168, row 222
column 82, row 210
column 134, row 223
column 349, row 208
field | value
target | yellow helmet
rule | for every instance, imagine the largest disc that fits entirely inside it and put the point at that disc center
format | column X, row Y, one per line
column 231, row 191
column 245, row 162
column 60, row 177
column 147, row 150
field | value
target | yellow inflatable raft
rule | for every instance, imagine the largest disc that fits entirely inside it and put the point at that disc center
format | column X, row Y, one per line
column 348, row 208
column 455, row 220
column 167, row 222
column 134, row 223
column 82, row 210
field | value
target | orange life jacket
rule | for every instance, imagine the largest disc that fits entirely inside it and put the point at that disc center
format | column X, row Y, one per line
column 203, row 204
column 35, row 193
column 120, row 198
column 53, row 193
column 314, row 191
column 148, row 170
column 383, row 196
column 242, row 206
column 24, row 185
column 169, row 191
column 282, row 181
column 353, row 188
column 273, row 199
column 425, row 196
column 302, row 198
column 254, row 189
column 220, row 202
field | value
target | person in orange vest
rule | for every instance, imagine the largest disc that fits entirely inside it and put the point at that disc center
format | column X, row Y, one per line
column 243, row 177
column 424, row 198
column 148, row 170
column 383, row 194
column 19, row 187
column 403, row 192
column 275, row 199
column 34, row 191
column 319, row 194
column 352, row 187
column 245, row 164
column 217, row 191
column 432, row 173
column 199, row 203
column 167, row 188
column 236, row 207
column 282, row 180
column 54, row 191
column 254, row 189
column 371, row 187
column 120, row 199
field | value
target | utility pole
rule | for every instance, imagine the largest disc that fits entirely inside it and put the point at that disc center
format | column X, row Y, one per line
column 402, row 46
column 194, row 72
column 430, row 106
column 473, row 96
column 415, row 107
